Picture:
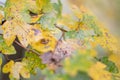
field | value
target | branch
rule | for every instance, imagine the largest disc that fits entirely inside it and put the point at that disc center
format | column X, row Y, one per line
column 27, row 49
column 63, row 30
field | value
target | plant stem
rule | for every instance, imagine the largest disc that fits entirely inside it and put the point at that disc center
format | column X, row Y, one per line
column 63, row 30
column 29, row 50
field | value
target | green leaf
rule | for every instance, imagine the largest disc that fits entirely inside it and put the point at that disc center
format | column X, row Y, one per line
column 80, row 61
column 58, row 8
column 91, row 22
column 111, row 67
column 5, row 49
column 81, row 34
column 33, row 61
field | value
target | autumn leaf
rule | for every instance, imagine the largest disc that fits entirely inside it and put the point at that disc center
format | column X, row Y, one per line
column 5, row 49
column 47, row 43
column 80, row 61
column 63, row 21
column 32, row 62
column 1, row 17
column 7, row 67
column 98, row 72
column 0, row 61
column 115, row 58
column 25, row 72
column 13, row 9
column 25, row 32
column 15, row 28
column 42, row 4
column 15, row 69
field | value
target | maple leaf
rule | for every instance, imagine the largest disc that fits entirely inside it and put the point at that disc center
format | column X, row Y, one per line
column 98, row 72
column 80, row 61
column 13, row 9
column 45, row 44
column 115, row 58
column 16, row 69
column 16, row 28
column 32, row 62
column 67, row 21
column 5, row 49
column 8, row 66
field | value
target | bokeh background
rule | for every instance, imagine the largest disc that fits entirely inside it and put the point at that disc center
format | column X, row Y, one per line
column 106, row 11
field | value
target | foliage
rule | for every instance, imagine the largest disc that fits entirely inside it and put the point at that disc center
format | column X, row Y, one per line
column 62, row 46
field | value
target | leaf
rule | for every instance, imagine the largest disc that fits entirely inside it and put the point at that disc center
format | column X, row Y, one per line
column 107, row 41
column 115, row 58
column 5, row 49
column 25, row 72
column 47, row 43
column 22, row 11
column 32, row 62
column 87, row 20
column 15, row 69
column 32, row 5
column 0, row 61
column 36, row 18
column 42, row 4
column 25, row 32
column 1, row 17
column 58, row 8
column 98, row 72
column 110, row 66
column 68, row 21
column 80, row 61
column 15, row 28
column 7, row 67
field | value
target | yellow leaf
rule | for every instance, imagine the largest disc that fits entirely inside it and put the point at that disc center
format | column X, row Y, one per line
column 35, row 34
column 41, row 3
column 116, row 59
column 25, row 72
column 35, row 18
column 16, row 69
column 22, row 30
column 7, row 67
column 107, row 41
column 8, row 33
column 1, row 17
column 68, row 21
column 47, row 43
column 98, row 72
column 0, row 61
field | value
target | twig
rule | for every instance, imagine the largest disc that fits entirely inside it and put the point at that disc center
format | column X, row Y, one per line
column 18, row 59
column 63, row 30
column 29, row 50
column 21, row 45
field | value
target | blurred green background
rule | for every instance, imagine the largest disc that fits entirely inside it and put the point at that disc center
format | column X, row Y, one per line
column 107, row 11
